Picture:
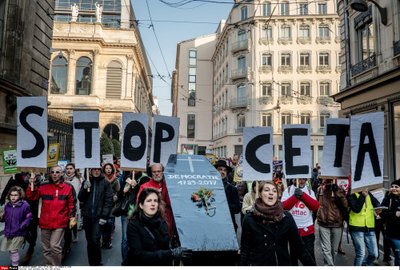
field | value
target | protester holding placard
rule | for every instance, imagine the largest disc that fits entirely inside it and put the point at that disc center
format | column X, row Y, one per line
column 300, row 200
column 57, row 212
column 96, row 203
column 330, row 218
column 362, row 226
column 147, row 234
column 268, row 231
column 391, row 214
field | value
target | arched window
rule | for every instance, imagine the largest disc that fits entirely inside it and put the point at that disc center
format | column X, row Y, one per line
column 112, row 131
column 59, row 75
column 83, row 76
column 114, row 79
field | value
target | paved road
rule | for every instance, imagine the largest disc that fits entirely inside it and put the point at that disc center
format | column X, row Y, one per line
column 112, row 257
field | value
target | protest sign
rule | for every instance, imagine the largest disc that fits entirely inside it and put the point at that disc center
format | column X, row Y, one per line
column 32, row 132
column 297, row 151
column 165, row 138
column 258, row 153
column 9, row 161
column 134, row 140
column 336, row 158
column 87, row 139
column 53, row 154
column 238, row 171
column 367, row 146
column 107, row 158
column 199, row 204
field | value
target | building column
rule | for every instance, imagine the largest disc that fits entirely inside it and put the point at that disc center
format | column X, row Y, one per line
column 71, row 72
column 129, row 77
column 95, row 72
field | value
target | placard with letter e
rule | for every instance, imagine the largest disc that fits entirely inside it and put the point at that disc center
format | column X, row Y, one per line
column 87, row 139
column 297, row 151
column 258, row 153
column 367, row 150
column 32, row 132
column 199, row 204
column 336, row 159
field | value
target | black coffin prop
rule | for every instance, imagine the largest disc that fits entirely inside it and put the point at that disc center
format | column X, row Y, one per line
column 200, row 209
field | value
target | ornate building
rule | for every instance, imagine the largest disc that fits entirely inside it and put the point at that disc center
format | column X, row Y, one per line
column 370, row 50
column 99, row 62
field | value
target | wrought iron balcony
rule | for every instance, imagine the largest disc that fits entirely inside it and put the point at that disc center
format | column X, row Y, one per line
column 240, row 45
column 239, row 102
column 266, row 100
column 364, row 65
column 266, row 40
column 238, row 74
column 265, row 69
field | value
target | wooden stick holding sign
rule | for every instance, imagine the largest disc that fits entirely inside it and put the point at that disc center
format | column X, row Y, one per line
column 87, row 178
column 32, row 182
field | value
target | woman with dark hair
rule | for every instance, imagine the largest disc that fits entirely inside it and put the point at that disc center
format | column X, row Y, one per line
column 267, row 230
column 147, row 234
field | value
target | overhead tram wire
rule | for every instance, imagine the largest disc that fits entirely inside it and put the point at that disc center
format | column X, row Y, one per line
column 158, row 43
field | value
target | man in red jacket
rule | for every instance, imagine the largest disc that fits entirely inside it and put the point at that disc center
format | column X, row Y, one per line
column 57, row 212
column 158, row 182
column 300, row 200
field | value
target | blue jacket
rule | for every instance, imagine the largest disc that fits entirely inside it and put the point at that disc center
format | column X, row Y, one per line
column 17, row 218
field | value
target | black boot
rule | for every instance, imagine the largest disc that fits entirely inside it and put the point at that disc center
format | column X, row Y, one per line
column 28, row 256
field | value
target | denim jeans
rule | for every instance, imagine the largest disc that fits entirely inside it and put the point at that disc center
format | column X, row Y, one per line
column 124, row 241
column 364, row 241
column 396, row 246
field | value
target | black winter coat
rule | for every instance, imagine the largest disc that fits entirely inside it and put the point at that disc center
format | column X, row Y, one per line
column 98, row 202
column 389, row 215
column 232, row 197
column 148, row 242
column 267, row 244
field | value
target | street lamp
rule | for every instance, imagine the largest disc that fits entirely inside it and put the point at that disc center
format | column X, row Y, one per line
column 362, row 6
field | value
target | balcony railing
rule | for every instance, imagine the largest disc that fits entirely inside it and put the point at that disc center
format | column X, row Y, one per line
column 323, row 39
column 304, row 40
column 238, row 74
column 396, row 47
column 285, row 69
column 304, row 100
column 304, row 69
column 266, row 40
column 240, row 45
column 265, row 69
column 323, row 68
column 266, row 100
column 239, row 102
column 364, row 65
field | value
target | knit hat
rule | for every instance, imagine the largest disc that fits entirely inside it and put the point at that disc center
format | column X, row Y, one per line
column 395, row 182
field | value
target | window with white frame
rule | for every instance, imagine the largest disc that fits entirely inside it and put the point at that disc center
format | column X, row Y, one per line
column 241, row 120
column 323, row 31
column 285, row 59
column 323, row 59
column 303, row 9
column 324, row 88
column 191, row 125
column 305, row 118
column 241, row 92
column 192, row 57
column 266, row 32
column 266, row 59
column 304, row 59
column 322, row 118
column 286, row 89
column 243, row 13
column 285, row 8
column 266, row 120
column 305, row 89
column 322, row 8
column 192, row 75
column 286, row 118
column 304, row 31
column 286, row 31
column 266, row 89
column 267, row 9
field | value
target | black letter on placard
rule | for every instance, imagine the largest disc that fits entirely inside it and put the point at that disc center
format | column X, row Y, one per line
column 366, row 130
column 250, row 154
column 39, row 146
column 134, row 128
column 87, row 127
column 290, row 152
column 341, row 131
column 158, row 139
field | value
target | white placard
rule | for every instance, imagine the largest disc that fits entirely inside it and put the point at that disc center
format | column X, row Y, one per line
column 164, row 141
column 297, row 151
column 367, row 149
column 336, row 154
column 258, row 153
column 32, row 132
column 134, row 140
column 87, row 139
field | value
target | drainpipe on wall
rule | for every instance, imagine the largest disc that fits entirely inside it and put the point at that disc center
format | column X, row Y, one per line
column 347, row 42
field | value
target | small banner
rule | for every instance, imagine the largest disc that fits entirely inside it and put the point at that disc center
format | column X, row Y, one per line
column 10, row 161
column 53, row 154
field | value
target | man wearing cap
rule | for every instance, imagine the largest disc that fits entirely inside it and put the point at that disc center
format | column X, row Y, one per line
column 96, row 199
column 232, row 195
column 57, row 212
column 300, row 200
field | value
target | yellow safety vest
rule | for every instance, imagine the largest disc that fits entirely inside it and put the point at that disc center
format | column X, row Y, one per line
column 366, row 217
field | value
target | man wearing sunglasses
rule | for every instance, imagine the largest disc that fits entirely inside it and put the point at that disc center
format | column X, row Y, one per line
column 56, row 214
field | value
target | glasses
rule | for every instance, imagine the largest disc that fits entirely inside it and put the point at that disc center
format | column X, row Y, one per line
column 55, row 172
